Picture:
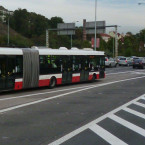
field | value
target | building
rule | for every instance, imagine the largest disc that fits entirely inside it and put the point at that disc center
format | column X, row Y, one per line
column 105, row 37
column 119, row 36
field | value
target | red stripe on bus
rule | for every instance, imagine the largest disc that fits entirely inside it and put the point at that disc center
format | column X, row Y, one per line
column 43, row 83
column 59, row 81
column 18, row 85
column 98, row 76
column 75, row 79
column 90, row 77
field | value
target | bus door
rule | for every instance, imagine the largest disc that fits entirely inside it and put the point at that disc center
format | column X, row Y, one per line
column 102, row 66
column 10, row 76
column 84, row 75
column 84, row 68
column 67, row 69
column 3, row 65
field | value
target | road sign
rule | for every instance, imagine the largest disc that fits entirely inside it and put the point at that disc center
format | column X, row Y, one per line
column 90, row 27
column 98, row 42
column 66, row 29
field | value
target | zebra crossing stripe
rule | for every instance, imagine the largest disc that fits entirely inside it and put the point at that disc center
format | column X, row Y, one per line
column 139, row 104
column 141, row 115
column 127, row 124
column 110, row 138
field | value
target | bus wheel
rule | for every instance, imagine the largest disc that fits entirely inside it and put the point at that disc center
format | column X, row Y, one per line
column 52, row 82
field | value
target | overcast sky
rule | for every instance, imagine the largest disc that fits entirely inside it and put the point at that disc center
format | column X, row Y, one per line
column 126, row 13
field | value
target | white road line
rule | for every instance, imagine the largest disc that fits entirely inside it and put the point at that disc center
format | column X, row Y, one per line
column 110, row 138
column 143, row 98
column 81, row 129
column 119, row 73
column 129, row 125
column 55, row 91
column 139, row 104
column 124, row 72
column 62, row 95
column 141, row 115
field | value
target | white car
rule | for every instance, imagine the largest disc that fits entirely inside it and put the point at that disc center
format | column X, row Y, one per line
column 125, row 61
column 110, row 62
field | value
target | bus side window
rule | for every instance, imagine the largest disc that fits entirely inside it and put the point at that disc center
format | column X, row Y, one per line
column 76, row 63
column 11, row 60
column 45, row 64
column 19, row 66
column 67, row 63
column 56, row 64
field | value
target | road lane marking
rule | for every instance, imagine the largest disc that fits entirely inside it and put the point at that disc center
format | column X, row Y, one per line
column 127, row 124
column 141, row 115
column 55, row 91
column 133, row 72
column 139, row 104
column 62, row 95
column 110, row 138
column 139, row 73
column 83, row 128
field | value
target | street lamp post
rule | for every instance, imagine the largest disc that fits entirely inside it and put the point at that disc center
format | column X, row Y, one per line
column 142, row 3
column 95, row 25
column 8, row 30
column 72, row 35
column 8, row 13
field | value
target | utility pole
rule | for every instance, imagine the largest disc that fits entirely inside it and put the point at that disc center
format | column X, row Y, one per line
column 113, row 47
column 142, row 3
column 8, row 14
column 47, row 38
column 71, row 40
column 8, row 30
column 95, row 25
column 116, row 41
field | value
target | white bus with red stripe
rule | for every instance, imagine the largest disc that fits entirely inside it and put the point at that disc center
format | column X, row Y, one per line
column 29, row 68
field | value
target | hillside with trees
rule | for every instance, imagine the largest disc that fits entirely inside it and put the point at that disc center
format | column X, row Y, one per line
column 29, row 29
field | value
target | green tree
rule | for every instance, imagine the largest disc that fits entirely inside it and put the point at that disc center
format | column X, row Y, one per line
column 54, row 21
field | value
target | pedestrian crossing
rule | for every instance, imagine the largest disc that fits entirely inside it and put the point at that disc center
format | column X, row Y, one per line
column 122, row 126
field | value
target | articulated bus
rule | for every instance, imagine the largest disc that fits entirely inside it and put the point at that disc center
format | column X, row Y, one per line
column 23, row 68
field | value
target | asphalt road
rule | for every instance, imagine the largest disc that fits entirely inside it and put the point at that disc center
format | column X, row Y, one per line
column 108, row 111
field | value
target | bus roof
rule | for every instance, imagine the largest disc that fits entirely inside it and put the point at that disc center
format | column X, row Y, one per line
column 47, row 51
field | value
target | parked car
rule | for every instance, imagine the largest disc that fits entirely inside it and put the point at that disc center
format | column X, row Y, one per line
column 139, row 63
column 110, row 62
column 118, row 57
column 135, row 58
column 125, row 61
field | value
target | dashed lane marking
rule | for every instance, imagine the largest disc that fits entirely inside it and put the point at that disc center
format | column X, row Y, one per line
column 139, row 73
column 104, row 133
column 133, row 72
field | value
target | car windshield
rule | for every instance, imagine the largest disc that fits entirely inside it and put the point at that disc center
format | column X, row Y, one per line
column 122, row 58
column 135, row 58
